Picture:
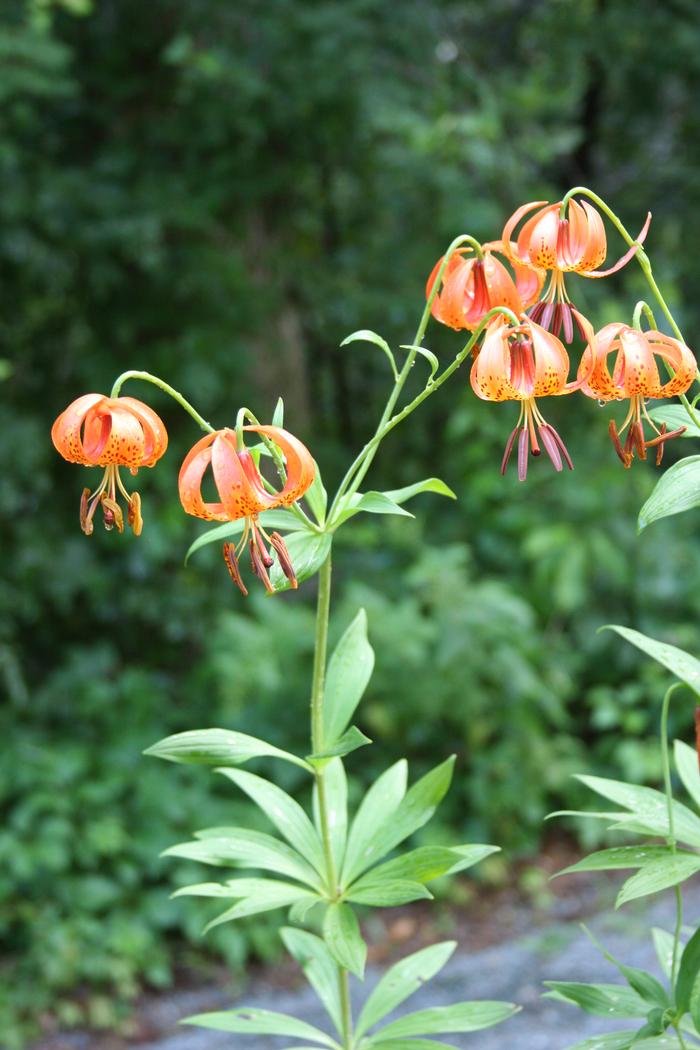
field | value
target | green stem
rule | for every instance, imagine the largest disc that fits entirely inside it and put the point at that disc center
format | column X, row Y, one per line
column 645, row 263
column 671, row 837
column 317, row 685
column 643, row 307
column 162, row 385
column 363, row 460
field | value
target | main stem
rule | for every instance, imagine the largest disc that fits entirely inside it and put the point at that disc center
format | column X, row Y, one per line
column 147, row 377
column 671, row 837
column 323, row 606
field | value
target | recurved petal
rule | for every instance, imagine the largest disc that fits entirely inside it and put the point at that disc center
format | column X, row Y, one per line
column 551, row 362
column 154, row 432
column 189, row 481
column 635, row 370
column 680, row 358
column 456, row 294
column 541, row 234
column 66, row 433
column 626, row 257
column 598, row 382
column 490, row 374
column 501, row 287
column 113, row 435
column 241, row 490
column 519, row 249
column 596, row 246
column 299, row 463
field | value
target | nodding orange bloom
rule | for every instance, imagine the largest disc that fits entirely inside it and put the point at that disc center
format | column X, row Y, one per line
column 575, row 243
column 521, row 363
column 243, row 494
column 635, row 375
column 472, row 286
column 111, row 432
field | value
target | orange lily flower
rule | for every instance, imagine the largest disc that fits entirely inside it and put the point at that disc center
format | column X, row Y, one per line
column 635, row 375
column 521, row 363
column 243, row 494
column 575, row 243
column 111, row 432
column 472, row 286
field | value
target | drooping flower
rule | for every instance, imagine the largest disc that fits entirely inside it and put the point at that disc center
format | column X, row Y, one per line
column 110, row 432
column 472, row 286
column 575, row 242
column 635, row 375
column 521, row 363
column 243, row 494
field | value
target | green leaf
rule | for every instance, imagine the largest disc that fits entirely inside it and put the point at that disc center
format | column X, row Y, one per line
column 649, row 809
column 641, row 982
column 684, row 666
column 409, row 1044
column 317, row 497
column 307, row 553
column 278, row 414
column 427, row 485
column 286, row 814
column 260, row 1022
column 387, row 892
column 366, row 335
column 368, row 502
column 676, row 491
column 319, row 969
column 675, row 416
column 427, row 354
column 426, row 863
column 341, row 932
column 616, row 859
column 658, row 875
column 687, row 766
column 349, row 671
column 607, row 1041
column 461, row 1017
column 252, row 849
column 253, row 896
column 688, row 979
column 601, row 1000
column 269, row 519
column 414, row 810
column 379, row 804
column 336, row 786
column 351, row 739
column 663, row 944
column 217, row 747
column 401, row 981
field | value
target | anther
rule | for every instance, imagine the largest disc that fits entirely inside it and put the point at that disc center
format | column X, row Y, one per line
column 232, row 566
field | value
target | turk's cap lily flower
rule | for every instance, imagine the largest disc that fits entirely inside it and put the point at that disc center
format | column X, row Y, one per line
column 576, row 242
column 472, row 286
column 521, row 363
column 635, row 375
column 244, row 494
column 110, row 432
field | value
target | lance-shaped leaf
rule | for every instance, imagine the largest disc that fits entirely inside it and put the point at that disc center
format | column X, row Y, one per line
column 245, row 848
column 250, row 1021
column 379, row 804
column 617, row 858
column 408, row 1044
column 269, row 519
column 286, row 814
column 401, row 981
column 415, row 809
column 319, row 967
column 601, row 1000
column 341, row 932
column 425, row 353
column 684, row 666
column 351, row 739
column 659, row 874
column 253, row 896
column 368, row 503
column 218, row 747
column 663, row 945
column 461, row 1017
column 349, row 671
column 687, row 765
column 366, row 335
column 307, row 553
column 688, row 980
column 675, row 417
column 676, row 491
column 648, row 809
column 387, row 892
column 608, row 1041
column 317, row 497
column 336, row 789
column 427, row 485
column 426, row 863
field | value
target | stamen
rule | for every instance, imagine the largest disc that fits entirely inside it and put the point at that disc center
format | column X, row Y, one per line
column 550, row 447
column 562, row 447
column 556, row 320
column 86, row 513
column 665, row 436
column 267, row 561
column 637, row 430
column 509, row 448
column 568, row 322
column 284, row 559
column 537, row 311
column 259, row 567
column 547, row 315
column 133, row 515
column 581, row 329
column 623, row 456
column 232, row 566
column 113, row 517
column 523, row 448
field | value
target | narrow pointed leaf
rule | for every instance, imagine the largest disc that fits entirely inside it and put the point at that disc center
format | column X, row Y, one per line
column 366, row 335
column 349, row 671
column 218, row 747
column 648, row 809
column 676, row 491
column 307, row 553
column 687, row 766
column 263, row 895
column 684, row 666
column 278, row 414
column 617, row 858
column 254, row 849
column 368, row 503
column 336, row 787
column 409, row 1044
column 319, row 968
column 341, row 932
column 663, row 945
column 317, row 497
column 601, row 1000
column 426, row 863
column 688, row 973
column 427, row 485
column 607, row 1041
column 260, row 1022
column 286, row 814
column 462, row 1017
column 401, row 981
column 378, row 805
column 388, row 892
column 351, row 739
column 269, row 519
column 425, row 353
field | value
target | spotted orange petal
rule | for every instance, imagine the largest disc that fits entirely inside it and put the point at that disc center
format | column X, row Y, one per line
column 66, row 433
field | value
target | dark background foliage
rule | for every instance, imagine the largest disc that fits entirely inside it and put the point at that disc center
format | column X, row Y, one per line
column 219, row 193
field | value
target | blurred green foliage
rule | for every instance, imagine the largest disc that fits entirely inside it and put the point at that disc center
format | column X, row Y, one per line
column 219, row 193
